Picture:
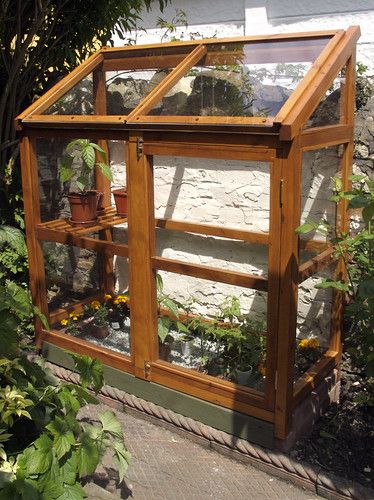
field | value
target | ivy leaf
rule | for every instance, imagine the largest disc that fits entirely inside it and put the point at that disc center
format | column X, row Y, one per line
column 111, row 424
column 123, row 458
column 90, row 370
column 88, row 155
column 88, row 456
column 72, row 492
column 105, row 170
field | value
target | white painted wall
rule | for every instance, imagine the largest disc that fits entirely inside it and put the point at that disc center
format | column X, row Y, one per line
column 194, row 190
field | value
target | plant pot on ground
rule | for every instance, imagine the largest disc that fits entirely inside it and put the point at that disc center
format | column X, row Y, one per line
column 187, row 345
column 120, row 199
column 243, row 376
column 164, row 348
column 79, row 162
column 98, row 324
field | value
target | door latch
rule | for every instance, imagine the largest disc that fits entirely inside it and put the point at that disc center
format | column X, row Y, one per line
column 147, row 368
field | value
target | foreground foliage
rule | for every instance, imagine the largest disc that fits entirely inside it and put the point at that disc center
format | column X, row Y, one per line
column 356, row 249
column 44, row 449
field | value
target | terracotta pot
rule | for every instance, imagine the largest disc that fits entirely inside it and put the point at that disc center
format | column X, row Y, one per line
column 83, row 207
column 120, row 198
column 100, row 332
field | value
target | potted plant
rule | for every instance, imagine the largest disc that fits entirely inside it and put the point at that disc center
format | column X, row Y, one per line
column 84, row 203
column 118, row 308
column 120, row 199
column 71, row 324
column 251, row 349
column 98, row 322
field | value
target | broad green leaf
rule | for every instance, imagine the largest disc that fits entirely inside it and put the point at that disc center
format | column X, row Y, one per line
column 368, row 212
column 50, row 482
column 88, row 456
column 66, row 172
column 90, row 370
column 37, row 312
column 18, row 298
column 63, row 438
column 123, row 457
column 72, row 492
column 68, row 400
column 105, row 169
column 8, row 334
column 330, row 283
column 98, row 148
column 69, row 468
column 356, row 177
column 37, row 458
column 163, row 328
column 82, row 183
column 182, row 327
column 358, row 201
column 84, row 397
column 111, row 424
column 171, row 305
column 88, row 155
column 14, row 238
column 307, row 227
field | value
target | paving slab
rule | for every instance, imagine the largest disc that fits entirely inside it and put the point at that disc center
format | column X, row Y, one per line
column 168, row 466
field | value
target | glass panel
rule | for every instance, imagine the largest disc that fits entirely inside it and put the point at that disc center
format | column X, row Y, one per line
column 198, row 190
column 313, row 321
column 220, row 329
column 210, row 251
column 77, row 101
column 72, row 276
column 242, row 79
column 328, row 111
column 318, row 168
column 54, row 203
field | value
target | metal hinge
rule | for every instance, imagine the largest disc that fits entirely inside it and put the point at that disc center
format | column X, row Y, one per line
column 281, row 193
column 139, row 148
column 147, row 368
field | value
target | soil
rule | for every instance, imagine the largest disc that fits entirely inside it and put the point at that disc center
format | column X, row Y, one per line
column 342, row 440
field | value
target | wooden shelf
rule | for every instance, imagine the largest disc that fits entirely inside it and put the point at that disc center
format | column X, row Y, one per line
column 105, row 221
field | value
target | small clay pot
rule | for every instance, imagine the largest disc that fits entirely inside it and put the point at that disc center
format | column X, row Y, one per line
column 83, row 207
column 120, row 198
column 100, row 332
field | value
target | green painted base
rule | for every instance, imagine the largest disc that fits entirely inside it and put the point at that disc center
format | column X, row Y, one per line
column 243, row 426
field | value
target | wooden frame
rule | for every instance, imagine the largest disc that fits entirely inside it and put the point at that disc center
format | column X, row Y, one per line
column 278, row 140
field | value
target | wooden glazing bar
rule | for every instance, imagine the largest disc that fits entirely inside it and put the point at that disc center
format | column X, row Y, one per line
column 210, row 273
column 63, row 86
column 315, row 91
column 143, row 62
column 209, row 230
column 107, row 246
column 110, row 52
column 76, row 121
column 218, row 151
column 273, row 282
column 314, row 376
column 322, row 137
column 308, row 78
column 316, row 264
column 168, row 83
column 288, row 291
column 259, row 121
column 141, row 238
column 31, row 202
column 45, row 132
column 106, row 356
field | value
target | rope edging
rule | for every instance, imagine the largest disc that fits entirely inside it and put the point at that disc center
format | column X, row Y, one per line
column 295, row 470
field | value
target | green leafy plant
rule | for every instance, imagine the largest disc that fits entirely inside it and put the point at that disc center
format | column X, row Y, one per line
column 356, row 250
column 44, row 448
column 168, row 312
column 84, row 152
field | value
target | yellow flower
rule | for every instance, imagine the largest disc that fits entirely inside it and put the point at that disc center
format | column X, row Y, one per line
column 262, row 369
column 107, row 296
column 64, row 322
column 311, row 343
column 75, row 318
column 116, row 302
column 95, row 304
column 71, row 315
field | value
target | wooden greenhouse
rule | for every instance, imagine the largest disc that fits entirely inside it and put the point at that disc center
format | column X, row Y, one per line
column 225, row 147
